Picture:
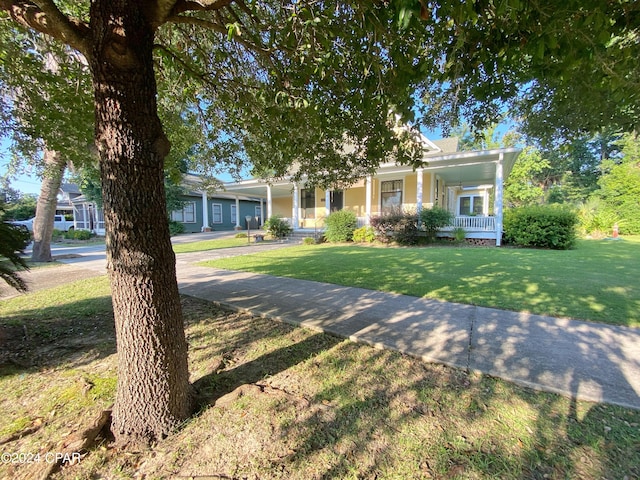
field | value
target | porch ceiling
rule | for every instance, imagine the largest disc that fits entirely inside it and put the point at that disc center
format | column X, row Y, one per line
column 468, row 175
column 258, row 189
column 461, row 168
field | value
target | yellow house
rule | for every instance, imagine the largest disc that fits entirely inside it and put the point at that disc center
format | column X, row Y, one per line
column 468, row 184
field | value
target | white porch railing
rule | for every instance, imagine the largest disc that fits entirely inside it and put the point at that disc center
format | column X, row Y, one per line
column 474, row 224
column 469, row 223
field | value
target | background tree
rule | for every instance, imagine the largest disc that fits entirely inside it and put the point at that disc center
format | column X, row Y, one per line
column 523, row 186
column 17, row 206
column 619, row 192
column 45, row 87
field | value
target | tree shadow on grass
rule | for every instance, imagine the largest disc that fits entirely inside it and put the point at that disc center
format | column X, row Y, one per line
column 71, row 334
column 347, row 410
column 211, row 387
column 439, row 422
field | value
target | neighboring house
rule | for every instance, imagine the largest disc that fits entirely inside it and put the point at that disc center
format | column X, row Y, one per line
column 200, row 212
column 87, row 215
column 468, row 184
column 66, row 195
column 203, row 211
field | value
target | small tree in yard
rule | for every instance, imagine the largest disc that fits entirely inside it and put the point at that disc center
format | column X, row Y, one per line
column 434, row 219
column 340, row 226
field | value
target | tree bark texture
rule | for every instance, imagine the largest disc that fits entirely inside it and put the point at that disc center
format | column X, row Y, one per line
column 46, row 207
column 153, row 395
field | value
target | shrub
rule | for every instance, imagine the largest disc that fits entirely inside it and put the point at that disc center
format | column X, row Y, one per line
column 13, row 241
column 277, row 227
column 309, row 241
column 595, row 219
column 240, row 235
column 433, row 219
column 340, row 226
column 80, row 234
column 364, row 234
column 459, row 234
column 541, row 226
column 399, row 226
column 75, row 234
column 175, row 227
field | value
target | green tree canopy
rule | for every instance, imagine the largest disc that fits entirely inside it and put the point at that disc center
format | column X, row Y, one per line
column 286, row 85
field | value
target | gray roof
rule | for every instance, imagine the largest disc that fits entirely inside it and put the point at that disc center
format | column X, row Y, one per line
column 447, row 145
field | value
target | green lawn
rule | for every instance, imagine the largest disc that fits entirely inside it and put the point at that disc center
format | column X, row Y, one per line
column 209, row 245
column 599, row 280
column 279, row 402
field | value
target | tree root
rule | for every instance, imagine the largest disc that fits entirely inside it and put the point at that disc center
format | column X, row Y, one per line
column 69, row 449
column 38, row 424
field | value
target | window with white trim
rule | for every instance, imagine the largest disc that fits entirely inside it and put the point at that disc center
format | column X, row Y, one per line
column 234, row 215
column 187, row 214
column 216, row 213
column 470, row 205
column 258, row 211
column 390, row 196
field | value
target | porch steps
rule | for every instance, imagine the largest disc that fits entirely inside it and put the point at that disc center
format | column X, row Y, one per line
column 298, row 236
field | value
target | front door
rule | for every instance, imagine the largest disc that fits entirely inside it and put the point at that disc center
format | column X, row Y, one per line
column 336, row 200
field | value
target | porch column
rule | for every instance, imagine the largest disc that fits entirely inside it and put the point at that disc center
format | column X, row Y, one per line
column 327, row 202
column 237, row 211
column 261, row 212
column 499, row 200
column 419, row 191
column 368, row 195
column 205, row 212
column 485, row 202
column 294, row 212
column 269, row 203
column 433, row 198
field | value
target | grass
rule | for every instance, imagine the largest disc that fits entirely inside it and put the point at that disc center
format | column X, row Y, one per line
column 598, row 281
column 280, row 402
column 214, row 244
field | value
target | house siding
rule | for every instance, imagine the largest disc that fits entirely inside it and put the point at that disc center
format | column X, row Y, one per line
column 282, row 206
column 246, row 207
column 356, row 201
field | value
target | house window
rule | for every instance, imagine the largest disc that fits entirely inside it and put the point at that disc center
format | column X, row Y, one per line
column 216, row 210
column 234, row 215
column 187, row 214
column 390, row 195
column 308, row 202
column 471, row 205
column 258, row 211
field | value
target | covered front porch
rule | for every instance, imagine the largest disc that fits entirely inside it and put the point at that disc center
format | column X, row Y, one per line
column 468, row 184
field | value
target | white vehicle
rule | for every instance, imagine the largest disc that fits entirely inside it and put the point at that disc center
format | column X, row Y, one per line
column 59, row 223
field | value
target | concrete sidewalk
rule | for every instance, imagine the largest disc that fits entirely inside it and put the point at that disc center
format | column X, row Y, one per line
column 584, row 360
column 588, row 361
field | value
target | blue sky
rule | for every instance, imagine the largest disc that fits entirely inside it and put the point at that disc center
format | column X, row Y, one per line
column 23, row 183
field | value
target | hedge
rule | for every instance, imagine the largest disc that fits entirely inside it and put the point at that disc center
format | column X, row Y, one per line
column 545, row 226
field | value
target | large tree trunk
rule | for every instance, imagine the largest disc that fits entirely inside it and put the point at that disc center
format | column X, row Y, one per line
column 153, row 396
column 46, row 206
